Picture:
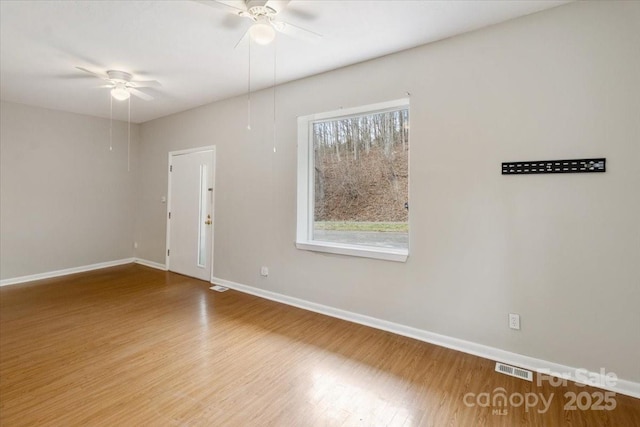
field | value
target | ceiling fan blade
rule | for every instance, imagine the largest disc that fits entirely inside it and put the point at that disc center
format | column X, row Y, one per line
column 301, row 14
column 140, row 94
column 277, row 5
column 230, row 22
column 110, row 86
column 295, row 31
column 100, row 76
column 244, row 36
column 146, row 83
column 233, row 6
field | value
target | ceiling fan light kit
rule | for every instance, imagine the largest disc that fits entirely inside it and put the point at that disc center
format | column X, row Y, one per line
column 120, row 92
column 262, row 32
column 121, row 82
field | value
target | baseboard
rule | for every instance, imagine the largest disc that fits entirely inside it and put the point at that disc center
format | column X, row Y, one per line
column 625, row 387
column 57, row 273
column 151, row 264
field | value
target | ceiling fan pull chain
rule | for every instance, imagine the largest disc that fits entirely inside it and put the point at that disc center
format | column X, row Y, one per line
column 110, row 123
column 129, row 138
column 275, row 57
column 249, row 89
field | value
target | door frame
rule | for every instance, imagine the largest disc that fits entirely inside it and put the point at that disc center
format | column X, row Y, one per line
column 211, row 148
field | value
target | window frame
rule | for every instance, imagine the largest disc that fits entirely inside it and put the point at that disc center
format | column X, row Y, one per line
column 306, row 191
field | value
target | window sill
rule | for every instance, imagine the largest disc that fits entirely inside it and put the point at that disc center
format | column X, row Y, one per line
column 388, row 254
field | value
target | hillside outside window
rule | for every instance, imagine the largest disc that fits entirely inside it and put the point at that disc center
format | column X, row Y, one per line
column 353, row 181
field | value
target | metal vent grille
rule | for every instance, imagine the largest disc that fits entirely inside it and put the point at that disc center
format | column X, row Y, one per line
column 514, row 372
column 219, row 288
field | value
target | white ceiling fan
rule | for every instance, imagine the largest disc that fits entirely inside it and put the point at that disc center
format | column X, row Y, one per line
column 122, row 85
column 263, row 13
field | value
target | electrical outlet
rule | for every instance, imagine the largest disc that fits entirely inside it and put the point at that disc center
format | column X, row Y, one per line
column 135, row 245
column 264, row 271
column 514, row 321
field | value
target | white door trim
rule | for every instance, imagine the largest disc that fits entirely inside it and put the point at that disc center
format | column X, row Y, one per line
column 171, row 154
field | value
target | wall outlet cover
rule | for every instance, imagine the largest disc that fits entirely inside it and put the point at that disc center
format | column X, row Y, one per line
column 514, row 321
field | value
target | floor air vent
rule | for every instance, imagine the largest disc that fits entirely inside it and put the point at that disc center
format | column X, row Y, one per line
column 218, row 288
column 514, row 372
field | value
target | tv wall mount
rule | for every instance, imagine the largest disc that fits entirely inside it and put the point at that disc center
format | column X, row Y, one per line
column 555, row 166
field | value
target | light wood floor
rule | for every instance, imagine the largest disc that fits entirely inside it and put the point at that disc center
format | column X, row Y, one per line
column 133, row 346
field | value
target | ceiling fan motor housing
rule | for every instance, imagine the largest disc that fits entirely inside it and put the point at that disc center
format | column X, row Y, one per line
column 256, row 3
column 119, row 76
column 257, row 9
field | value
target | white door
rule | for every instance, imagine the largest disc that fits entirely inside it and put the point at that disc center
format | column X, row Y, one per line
column 190, row 219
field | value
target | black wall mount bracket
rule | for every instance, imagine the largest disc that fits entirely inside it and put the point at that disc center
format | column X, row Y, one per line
column 555, row 166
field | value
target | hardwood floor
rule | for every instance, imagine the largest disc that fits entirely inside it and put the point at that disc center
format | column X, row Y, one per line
column 134, row 346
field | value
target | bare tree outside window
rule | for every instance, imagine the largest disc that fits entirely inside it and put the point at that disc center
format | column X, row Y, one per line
column 361, row 179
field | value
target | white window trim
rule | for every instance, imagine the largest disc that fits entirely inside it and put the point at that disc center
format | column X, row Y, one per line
column 304, row 233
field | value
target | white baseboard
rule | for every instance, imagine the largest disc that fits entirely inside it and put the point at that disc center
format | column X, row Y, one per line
column 151, row 264
column 73, row 270
column 625, row 387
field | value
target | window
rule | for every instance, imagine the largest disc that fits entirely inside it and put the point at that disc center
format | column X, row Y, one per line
column 353, row 181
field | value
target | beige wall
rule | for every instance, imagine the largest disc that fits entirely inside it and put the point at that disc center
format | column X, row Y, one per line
column 66, row 200
column 562, row 251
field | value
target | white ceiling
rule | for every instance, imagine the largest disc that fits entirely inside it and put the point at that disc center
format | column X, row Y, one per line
column 189, row 47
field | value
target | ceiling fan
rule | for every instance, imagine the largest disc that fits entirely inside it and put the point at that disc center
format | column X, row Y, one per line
column 263, row 13
column 122, row 85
